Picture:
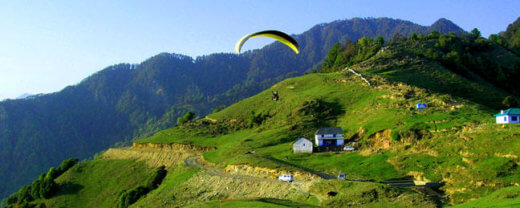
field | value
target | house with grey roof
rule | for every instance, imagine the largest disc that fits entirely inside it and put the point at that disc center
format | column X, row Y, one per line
column 330, row 136
column 303, row 145
column 511, row 115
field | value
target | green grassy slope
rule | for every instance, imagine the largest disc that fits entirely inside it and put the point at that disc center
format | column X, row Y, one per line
column 99, row 183
column 455, row 140
column 506, row 197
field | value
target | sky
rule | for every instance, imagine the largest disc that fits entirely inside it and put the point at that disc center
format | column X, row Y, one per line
column 48, row 45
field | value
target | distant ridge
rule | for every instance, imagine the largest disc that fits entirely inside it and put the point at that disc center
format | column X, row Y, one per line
column 445, row 26
column 24, row 95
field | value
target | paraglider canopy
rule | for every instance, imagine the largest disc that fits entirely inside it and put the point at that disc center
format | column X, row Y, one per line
column 279, row 36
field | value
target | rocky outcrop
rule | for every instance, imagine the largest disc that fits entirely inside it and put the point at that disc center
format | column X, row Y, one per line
column 377, row 142
column 172, row 146
column 156, row 155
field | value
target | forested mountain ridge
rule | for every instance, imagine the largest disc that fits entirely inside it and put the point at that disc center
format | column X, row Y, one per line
column 509, row 38
column 124, row 101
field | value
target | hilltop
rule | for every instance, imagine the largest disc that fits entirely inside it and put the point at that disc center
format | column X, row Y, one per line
column 509, row 38
column 236, row 152
column 127, row 101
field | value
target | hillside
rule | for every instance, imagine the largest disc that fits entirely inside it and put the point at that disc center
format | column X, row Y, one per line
column 235, row 154
column 509, row 38
column 125, row 101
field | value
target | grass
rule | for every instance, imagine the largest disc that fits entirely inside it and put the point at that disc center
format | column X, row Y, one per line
column 169, row 190
column 274, row 203
column 506, row 197
column 362, row 194
column 98, row 183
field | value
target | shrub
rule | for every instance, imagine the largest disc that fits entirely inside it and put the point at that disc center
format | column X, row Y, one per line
column 509, row 102
column 159, row 176
column 65, row 165
column 395, row 136
column 187, row 117
column 129, row 197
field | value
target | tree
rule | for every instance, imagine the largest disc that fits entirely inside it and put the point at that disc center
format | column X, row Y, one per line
column 365, row 42
column 65, row 165
column 332, row 55
column 413, row 36
column 381, row 41
column 48, row 187
column 494, row 38
column 36, row 185
column 510, row 102
column 475, row 33
column 434, row 34
column 187, row 117
column 397, row 39
column 53, row 173
column 129, row 197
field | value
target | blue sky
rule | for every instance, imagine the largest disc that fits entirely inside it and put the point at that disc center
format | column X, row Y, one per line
column 47, row 45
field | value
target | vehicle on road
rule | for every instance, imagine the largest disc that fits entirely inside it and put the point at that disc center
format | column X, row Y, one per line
column 342, row 176
column 349, row 148
column 286, row 178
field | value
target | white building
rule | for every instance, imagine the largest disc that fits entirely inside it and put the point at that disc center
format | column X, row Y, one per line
column 511, row 115
column 302, row 146
column 330, row 136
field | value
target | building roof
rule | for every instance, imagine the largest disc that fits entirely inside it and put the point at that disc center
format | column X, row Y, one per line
column 302, row 140
column 510, row 111
column 329, row 130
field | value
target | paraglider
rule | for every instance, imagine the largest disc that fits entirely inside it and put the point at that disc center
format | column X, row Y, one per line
column 275, row 96
column 279, row 36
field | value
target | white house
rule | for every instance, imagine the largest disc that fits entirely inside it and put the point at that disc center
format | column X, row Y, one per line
column 330, row 136
column 511, row 115
column 302, row 146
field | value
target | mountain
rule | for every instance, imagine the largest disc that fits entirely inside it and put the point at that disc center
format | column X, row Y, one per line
column 233, row 156
column 446, row 26
column 512, row 36
column 127, row 101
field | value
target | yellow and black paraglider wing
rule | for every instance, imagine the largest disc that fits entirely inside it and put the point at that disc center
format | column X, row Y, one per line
column 279, row 36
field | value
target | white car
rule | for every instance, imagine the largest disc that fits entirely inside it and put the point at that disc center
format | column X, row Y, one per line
column 286, row 178
column 349, row 148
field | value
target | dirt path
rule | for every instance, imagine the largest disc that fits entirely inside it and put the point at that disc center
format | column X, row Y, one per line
column 195, row 162
column 359, row 75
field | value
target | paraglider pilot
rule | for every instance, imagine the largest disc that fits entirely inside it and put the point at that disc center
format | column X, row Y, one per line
column 275, row 96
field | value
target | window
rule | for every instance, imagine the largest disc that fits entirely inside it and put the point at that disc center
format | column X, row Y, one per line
column 322, row 135
column 304, row 144
column 505, row 118
column 514, row 118
column 333, row 135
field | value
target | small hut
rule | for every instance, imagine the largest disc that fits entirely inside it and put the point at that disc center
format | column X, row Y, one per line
column 511, row 115
column 302, row 146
